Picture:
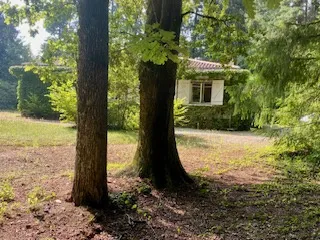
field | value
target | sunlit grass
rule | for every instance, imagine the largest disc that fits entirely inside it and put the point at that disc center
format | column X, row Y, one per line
column 18, row 131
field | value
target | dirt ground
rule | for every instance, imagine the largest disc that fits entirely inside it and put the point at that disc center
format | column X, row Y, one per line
column 227, row 202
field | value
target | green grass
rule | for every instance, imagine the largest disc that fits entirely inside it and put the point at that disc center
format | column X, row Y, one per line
column 21, row 132
column 18, row 131
column 122, row 137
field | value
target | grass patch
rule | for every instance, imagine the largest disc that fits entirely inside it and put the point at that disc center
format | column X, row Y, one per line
column 22, row 132
column 116, row 166
column 37, row 196
column 122, row 137
column 18, row 131
column 6, row 192
column 6, row 196
column 69, row 174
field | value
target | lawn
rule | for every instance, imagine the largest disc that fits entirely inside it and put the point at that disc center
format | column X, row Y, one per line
column 241, row 190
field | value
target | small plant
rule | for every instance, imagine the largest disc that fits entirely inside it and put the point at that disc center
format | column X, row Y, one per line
column 38, row 195
column 180, row 111
column 3, row 209
column 69, row 174
column 6, row 192
column 124, row 200
column 144, row 189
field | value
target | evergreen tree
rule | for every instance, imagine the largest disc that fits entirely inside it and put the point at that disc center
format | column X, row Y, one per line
column 12, row 52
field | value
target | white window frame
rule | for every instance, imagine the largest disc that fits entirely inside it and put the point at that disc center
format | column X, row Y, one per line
column 201, row 99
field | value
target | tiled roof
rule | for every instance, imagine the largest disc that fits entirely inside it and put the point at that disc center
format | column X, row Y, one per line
column 201, row 65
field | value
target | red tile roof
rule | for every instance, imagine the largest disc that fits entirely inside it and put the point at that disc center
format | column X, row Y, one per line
column 201, row 65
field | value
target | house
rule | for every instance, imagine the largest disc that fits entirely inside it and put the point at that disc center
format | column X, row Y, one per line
column 201, row 89
column 202, row 86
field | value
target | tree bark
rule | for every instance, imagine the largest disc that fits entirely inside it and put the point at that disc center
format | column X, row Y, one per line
column 157, row 156
column 90, row 186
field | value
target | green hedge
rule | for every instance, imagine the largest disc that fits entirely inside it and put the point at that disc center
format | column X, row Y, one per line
column 8, row 94
column 32, row 95
column 215, row 117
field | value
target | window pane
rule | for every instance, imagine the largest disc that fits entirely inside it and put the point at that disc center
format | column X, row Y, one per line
column 196, row 92
column 207, row 92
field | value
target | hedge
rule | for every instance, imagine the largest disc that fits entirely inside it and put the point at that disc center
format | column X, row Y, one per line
column 8, row 94
column 215, row 117
column 32, row 95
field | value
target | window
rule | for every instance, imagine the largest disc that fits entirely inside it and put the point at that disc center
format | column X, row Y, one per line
column 201, row 92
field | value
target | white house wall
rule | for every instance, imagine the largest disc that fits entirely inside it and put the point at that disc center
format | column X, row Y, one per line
column 183, row 90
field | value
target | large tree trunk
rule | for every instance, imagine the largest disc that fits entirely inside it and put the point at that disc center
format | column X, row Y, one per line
column 90, row 187
column 157, row 156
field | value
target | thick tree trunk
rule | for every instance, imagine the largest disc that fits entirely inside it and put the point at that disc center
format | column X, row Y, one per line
column 90, row 187
column 157, row 156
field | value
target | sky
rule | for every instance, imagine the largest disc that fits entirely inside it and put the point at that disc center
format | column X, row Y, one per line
column 34, row 42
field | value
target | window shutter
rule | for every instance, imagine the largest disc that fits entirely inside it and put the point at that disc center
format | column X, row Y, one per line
column 183, row 90
column 217, row 92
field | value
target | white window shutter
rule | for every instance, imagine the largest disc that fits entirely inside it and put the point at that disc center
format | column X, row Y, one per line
column 183, row 90
column 217, row 92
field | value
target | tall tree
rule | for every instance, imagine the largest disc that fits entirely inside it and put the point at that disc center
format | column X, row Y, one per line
column 90, row 187
column 157, row 156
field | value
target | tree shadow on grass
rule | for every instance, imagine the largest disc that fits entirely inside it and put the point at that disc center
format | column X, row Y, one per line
column 280, row 209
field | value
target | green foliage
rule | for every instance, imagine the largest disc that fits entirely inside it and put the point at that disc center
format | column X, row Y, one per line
column 6, row 196
column 251, row 8
column 32, row 95
column 215, row 117
column 6, row 192
column 37, row 196
column 144, row 189
column 12, row 52
column 156, row 45
column 64, row 100
column 298, row 114
column 34, row 107
column 123, row 200
column 3, row 209
column 179, row 113
column 284, row 90
column 8, row 93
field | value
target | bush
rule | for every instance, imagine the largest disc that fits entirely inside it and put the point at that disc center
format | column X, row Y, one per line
column 63, row 98
column 32, row 95
column 179, row 113
column 215, row 117
column 8, row 93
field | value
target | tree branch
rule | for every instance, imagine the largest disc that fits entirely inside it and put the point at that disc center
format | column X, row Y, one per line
column 304, row 24
column 205, row 16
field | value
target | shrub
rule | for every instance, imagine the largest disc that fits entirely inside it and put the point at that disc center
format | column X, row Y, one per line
column 8, row 93
column 32, row 95
column 215, row 117
column 63, row 98
column 179, row 113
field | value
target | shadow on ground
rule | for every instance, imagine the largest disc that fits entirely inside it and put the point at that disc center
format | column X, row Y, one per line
column 214, row 210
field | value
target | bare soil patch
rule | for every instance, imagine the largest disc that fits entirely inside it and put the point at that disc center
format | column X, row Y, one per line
column 235, row 196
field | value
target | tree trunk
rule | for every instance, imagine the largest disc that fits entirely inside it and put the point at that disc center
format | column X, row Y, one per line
column 157, row 156
column 90, row 186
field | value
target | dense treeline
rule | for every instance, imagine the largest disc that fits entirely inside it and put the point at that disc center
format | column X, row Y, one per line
column 12, row 52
